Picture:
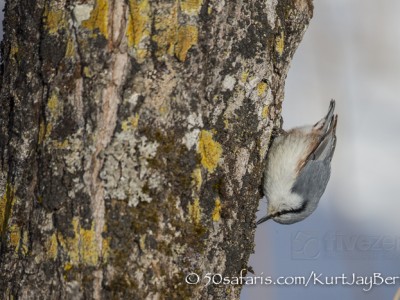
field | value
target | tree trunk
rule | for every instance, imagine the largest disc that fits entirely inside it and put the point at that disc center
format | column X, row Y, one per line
column 132, row 141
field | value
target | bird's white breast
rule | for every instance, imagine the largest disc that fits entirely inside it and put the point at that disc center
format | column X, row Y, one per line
column 286, row 154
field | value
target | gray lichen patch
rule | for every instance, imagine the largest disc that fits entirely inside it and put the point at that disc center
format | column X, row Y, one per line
column 81, row 13
column 271, row 12
column 242, row 160
column 125, row 172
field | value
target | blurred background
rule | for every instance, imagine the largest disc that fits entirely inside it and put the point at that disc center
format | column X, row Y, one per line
column 351, row 53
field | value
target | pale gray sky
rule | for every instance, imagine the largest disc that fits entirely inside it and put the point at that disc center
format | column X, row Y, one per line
column 350, row 53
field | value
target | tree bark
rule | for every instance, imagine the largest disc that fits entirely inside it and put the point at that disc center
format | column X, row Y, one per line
column 132, row 141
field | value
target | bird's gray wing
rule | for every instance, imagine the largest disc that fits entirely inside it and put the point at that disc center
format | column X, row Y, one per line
column 312, row 180
column 313, row 177
column 325, row 147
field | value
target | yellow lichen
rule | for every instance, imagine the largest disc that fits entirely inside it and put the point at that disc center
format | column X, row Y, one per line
column 25, row 242
column 105, row 251
column 83, row 247
column 210, row 151
column 167, row 28
column 49, row 128
column 98, row 19
column 209, row 10
column 3, row 205
column 68, row 267
column 54, row 20
column 197, row 178
column 6, row 204
column 226, row 124
column 244, row 76
column 141, row 54
column 54, row 110
column 15, row 236
column 88, row 246
column 173, row 38
column 195, row 211
column 142, row 242
column 191, row 6
column 70, row 49
column 216, row 215
column 265, row 111
column 74, row 246
column 61, row 145
column 163, row 109
column 86, row 72
column 261, row 87
column 14, row 49
column 139, row 24
column 53, row 106
column 16, row 241
column 280, row 43
column 52, row 247
column 130, row 123
column 187, row 37
column 44, row 131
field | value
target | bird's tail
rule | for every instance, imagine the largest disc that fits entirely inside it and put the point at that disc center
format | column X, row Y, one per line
column 326, row 128
column 328, row 121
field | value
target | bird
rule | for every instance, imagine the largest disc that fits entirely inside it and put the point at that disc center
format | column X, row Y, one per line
column 298, row 169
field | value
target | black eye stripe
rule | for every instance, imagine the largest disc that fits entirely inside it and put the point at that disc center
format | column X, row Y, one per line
column 284, row 212
column 290, row 211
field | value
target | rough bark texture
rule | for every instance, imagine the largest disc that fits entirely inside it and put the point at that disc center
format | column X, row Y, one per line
column 132, row 141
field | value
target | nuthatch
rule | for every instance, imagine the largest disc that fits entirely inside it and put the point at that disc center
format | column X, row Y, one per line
column 298, row 170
